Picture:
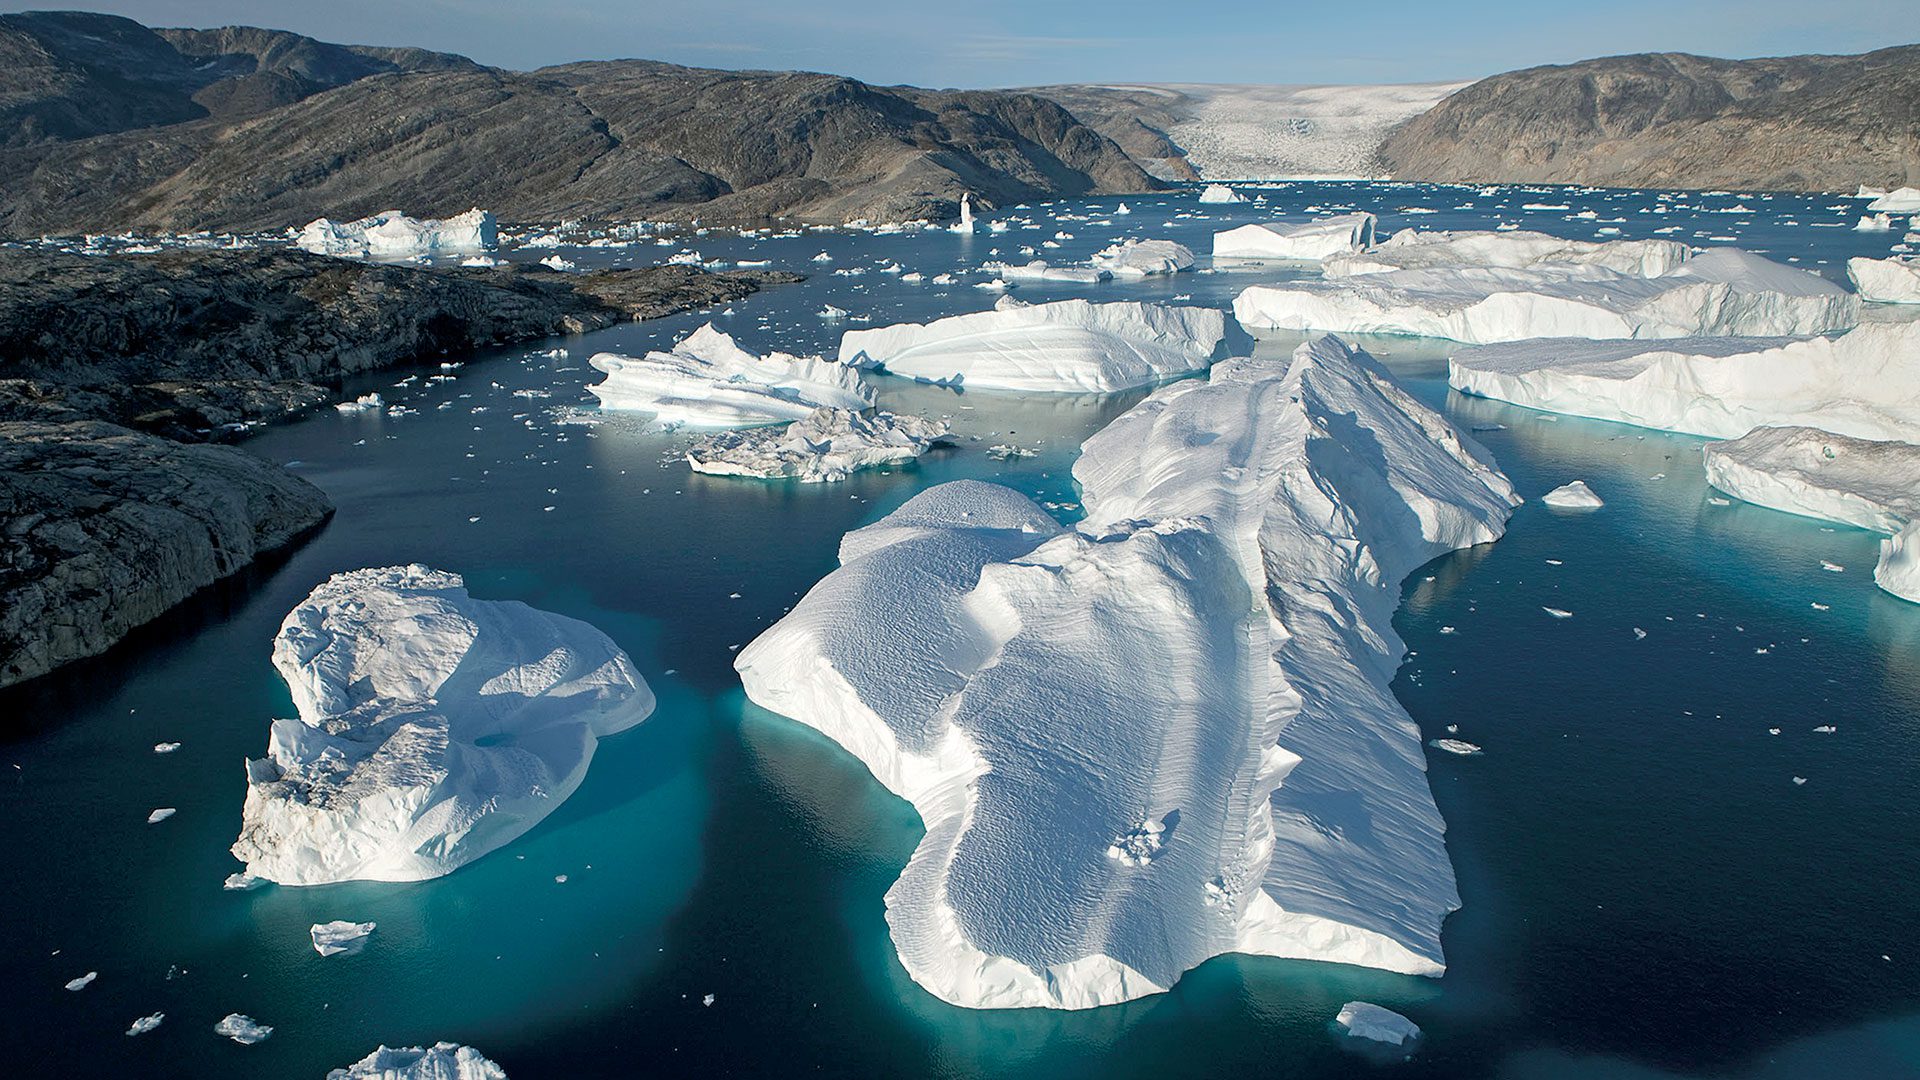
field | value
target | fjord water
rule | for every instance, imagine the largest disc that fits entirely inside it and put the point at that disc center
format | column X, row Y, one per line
column 1647, row 890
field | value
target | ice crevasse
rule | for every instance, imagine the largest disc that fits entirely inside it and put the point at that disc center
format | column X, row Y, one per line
column 433, row 728
column 1165, row 733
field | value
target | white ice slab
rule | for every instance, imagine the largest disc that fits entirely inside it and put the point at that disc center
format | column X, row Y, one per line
column 707, row 380
column 1312, row 240
column 1411, row 249
column 1144, row 258
column 1886, row 281
column 827, row 445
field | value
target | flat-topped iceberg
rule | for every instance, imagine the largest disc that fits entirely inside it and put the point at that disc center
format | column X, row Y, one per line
column 433, row 728
column 827, row 445
column 1723, row 291
column 1865, row 382
column 1411, row 249
column 1886, row 281
column 442, row 1061
column 1068, row 346
column 1220, row 193
column 1321, row 239
column 391, row 234
column 1144, row 258
column 706, row 380
column 1166, row 733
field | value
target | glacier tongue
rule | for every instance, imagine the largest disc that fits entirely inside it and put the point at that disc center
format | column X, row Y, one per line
column 1166, row 733
column 433, row 728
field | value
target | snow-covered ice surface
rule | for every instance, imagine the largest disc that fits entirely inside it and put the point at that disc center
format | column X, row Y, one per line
column 340, row 937
column 391, row 234
column 1886, row 281
column 706, row 380
column 1575, row 495
column 1194, row 677
column 1722, row 291
column 441, row 1061
column 1865, row 382
column 1365, row 1020
column 1323, row 238
column 1144, row 258
column 824, row 446
column 433, row 728
column 1414, row 249
column 1068, row 346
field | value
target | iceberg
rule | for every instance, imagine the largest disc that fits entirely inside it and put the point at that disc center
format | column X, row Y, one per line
column 1898, row 571
column 709, row 381
column 1864, row 383
column 340, row 937
column 965, row 224
column 827, row 445
column 1322, row 239
column 391, row 234
column 1220, row 193
column 1068, row 346
column 1874, row 223
column 1144, row 258
column 1411, row 249
column 146, row 1023
column 1723, row 291
column 433, row 728
column 1904, row 200
column 242, row 1029
column 1573, row 496
column 1165, row 733
column 1364, row 1020
column 443, row 1061
column 1041, row 270
column 1886, row 281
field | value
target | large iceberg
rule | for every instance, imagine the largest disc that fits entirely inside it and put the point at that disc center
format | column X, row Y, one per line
column 1165, row 733
column 433, row 727
column 1144, row 258
column 391, row 234
column 442, row 1061
column 1869, row 484
column 1864, row 383
column 1411, row 249
column 706, row 380
column 1321, row 239
column 1067, row 346
column 1886, row 281
column 1904, row 200
column 1723, row 291
column 827, row 445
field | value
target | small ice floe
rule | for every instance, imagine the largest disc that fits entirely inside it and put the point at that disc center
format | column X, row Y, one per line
column 1639, row 634
column 1456, row 746
column 1799, row 780
column 1220, row 193
column 1364, row 1020
column 708, row 1001
column 1825, row 729
column 363, row 403
column 1007, row 452
column 160, row 815
column 1831, row 567
column 146, row 1024
column 340, row 937
column 1573, row 496
column 1818, row 606
column 1558, row 613
column 165, row 747
column 823, row 257
column 1718, row 501
column 831, row 313
column 83, row 981
column 242, row 1029
column 242, row 882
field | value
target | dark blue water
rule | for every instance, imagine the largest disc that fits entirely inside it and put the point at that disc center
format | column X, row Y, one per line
column 1647, row 892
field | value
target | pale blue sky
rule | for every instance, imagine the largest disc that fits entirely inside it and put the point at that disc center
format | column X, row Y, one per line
column 1020, row 42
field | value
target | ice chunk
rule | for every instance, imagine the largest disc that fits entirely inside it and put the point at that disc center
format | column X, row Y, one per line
column 826, row 445
column 1723, row 291
column 1066, row 346
column 165, row 747
column 1144, row 258
column 1904, row 200
column 363, row 403
column 1220, row 193
column 556, row 263
column 242, row 1029
column 1367, row 1021
column 146, row 1024
column 1886, row 281
column 709, row 381
column 391, row 234
column 160, row 815
column 1455, row 746
column 340, row 937
column 433, row 727
column 1411, row 249
column 83, row 981
column 1874, row 223
column 1320, row 239
column 1576, row 495
column 1214, row 640
column 242, row 882
column 1041, row 270
column 1864, row 383
column 1898, row 571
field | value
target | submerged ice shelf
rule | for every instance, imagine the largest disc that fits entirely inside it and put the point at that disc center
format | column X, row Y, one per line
column 433, row 728
column 1165, row 733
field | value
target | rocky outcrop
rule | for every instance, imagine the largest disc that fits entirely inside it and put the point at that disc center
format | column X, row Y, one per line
column 102, row 529
column 1798, row 123
column 312, row 130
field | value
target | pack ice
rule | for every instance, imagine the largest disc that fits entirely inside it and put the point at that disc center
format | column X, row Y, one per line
column 391, row 234
column 1864, row 383
column 433, row 727
column 1412, row 249
column 1886, row 281
column 1722, row 291
column 824, row 446
column 1068, row 346
column 1322, row 239
column 1165, row 733
column 1869, row 484
column 706, row 380
column 443, row 1061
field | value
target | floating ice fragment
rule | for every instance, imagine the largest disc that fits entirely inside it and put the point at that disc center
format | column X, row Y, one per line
column 160, row 815
column 146, row 1024
column 83, row 981
column 1220, row 193
column 1455, row 746
column 340, row 938
column 1367, row 1021
column 1558, row 613
column 1573, row 496
column 242, row 882
column 442, row 1061
column 165, row 747
column 242, row 1029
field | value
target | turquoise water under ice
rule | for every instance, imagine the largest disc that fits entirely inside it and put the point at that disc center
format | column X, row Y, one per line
column 1646, row 891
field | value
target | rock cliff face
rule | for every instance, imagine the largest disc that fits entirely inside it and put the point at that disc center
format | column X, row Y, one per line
column 106, row 125
column 1808, row 123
